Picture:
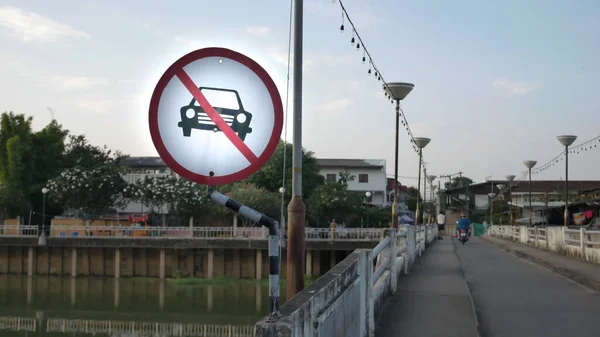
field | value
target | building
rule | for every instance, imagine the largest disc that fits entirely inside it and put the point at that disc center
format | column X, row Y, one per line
column 369, row 176
column 138, row 168
column 545, row 194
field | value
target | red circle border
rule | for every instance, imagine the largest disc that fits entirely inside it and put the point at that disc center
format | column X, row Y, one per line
column 277, row 122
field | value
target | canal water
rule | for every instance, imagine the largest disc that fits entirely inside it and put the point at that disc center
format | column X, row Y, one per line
column 63, row 306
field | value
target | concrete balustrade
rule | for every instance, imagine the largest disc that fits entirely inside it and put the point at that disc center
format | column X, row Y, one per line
column 581, row 243
column 346, row 300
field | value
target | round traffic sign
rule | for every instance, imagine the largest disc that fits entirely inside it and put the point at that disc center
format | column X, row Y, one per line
column 215, row 116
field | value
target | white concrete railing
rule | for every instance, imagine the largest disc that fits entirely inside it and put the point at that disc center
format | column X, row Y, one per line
column 19, row 230
column 110, row 327
column 572, row 242
column 345, row 301
column 258, row 233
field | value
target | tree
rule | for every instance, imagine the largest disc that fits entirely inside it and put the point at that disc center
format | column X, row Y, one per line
column 257, row 198
column 89, row 191
column 269, row 177
column 79, row 152
column 332, row 200
column 411, row 198
column 457, row 182
column 345, row 178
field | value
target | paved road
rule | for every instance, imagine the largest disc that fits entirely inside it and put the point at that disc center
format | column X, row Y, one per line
column 515, row 298
column 432, row 300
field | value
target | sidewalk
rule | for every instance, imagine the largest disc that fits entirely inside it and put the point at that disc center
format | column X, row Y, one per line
column 432, row 300
column 579, row 271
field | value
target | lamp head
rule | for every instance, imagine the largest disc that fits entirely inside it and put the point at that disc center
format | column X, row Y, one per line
column 510, row 178
column 530, row 163
column 421, row 142
column 567, row 140
column 368, row 194
column 491, row 195
column 45, row 190
column 398, row 90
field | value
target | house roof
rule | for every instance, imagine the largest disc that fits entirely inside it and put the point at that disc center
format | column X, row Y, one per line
column 351, row 163
column 537, row 186
column 143, row 162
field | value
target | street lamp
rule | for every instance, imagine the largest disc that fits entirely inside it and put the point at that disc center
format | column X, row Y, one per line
column 491, row 195
column 368, row 194
column 566, row 141
column 420, row 142
column 510, row 178
column 282, row 215
column 430, row 178
column 530, row 164
column 42, row 238
column 398, row 92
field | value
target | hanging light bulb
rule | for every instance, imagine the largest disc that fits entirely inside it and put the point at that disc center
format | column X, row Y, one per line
column 364, row 59
column 357, row 46
column 342, row 28
column 369, row 72
column 353, row 40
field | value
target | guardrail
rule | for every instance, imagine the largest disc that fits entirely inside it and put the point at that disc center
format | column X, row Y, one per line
column 258, row 233
column 110, row 327
column 346, row 300
column 19, row 230
column 573, row 242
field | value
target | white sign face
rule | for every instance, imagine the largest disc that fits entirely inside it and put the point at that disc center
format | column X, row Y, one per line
column 215, row 119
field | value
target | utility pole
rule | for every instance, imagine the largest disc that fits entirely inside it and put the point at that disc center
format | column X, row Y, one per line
column 296, row 208
column 546, row 201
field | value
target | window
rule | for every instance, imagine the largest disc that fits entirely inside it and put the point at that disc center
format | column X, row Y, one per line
column 330, row 177
column 363, row 178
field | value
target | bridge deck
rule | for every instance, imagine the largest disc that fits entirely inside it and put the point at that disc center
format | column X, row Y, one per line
column 512, row 296
column 432, row 300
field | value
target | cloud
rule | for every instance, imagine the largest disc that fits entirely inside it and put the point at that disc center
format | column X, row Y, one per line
column 260, row 31
column 57, row 82
column 194, row 44
column 29, row 26
column 333, row 106
column 508, row 86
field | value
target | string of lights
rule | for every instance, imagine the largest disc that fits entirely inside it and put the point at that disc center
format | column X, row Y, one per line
column 584, row 147
column 359, row 44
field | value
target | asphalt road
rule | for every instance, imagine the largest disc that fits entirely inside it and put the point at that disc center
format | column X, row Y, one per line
column 516, row 298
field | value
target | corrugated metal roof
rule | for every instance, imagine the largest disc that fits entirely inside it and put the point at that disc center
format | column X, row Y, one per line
column 354, row 163
column 143, row 162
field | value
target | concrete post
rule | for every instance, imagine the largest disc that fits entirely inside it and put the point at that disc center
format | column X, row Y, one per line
column 161, row 265
column 235, row 224
column 259, row 260
column 210, row 264
column 370, row 305
column 74, row 262
column 30, row 261
column 582, row 240
column 393, row 267
column 309, row 263
column 117, row 263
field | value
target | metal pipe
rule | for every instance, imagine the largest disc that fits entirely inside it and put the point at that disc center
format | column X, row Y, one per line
column 424, row 192
column 296, row 208
column 395, row 200
column 267, row 222
column 417, row 215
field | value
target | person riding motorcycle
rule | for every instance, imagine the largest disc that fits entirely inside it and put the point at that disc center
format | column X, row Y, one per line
column 463, row 223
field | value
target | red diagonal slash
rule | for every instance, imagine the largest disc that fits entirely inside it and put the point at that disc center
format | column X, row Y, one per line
column 214, row 115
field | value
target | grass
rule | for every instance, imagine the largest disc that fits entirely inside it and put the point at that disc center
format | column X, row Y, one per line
column 225, row 281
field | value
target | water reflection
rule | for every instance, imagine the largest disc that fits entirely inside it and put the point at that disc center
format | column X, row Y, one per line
column 52, row 306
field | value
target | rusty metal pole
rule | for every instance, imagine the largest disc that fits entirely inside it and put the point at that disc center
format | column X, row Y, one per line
column 296, row 208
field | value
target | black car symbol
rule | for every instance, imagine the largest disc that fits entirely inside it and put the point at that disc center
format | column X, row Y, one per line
column 193, row 115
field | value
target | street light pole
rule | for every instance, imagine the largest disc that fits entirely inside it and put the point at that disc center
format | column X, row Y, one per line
column 421, row 142
column 296, row 207
column 530, row 164
column 431, row 179
column 510, row 178
column 566, row 141
column 491, row 195
column 398, row 92
column 42, row 237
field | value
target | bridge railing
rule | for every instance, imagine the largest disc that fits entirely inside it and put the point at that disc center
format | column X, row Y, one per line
column 573, row 242
column 257, row 233
column 346, row 300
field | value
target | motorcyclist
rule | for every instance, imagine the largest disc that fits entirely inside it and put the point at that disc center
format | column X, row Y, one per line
column 463, row 223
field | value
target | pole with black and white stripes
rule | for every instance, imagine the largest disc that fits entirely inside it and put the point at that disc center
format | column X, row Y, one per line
column 273, row 242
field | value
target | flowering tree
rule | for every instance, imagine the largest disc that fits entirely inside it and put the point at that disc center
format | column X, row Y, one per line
column 177, row 195
column 89, row 190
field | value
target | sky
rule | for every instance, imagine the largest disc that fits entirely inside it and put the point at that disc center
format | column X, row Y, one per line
column 495, row 81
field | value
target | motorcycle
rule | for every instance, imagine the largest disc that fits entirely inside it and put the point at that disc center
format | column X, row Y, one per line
column 463, row 236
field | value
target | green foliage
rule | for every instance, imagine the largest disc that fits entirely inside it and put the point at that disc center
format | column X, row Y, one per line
column 345, row 177
column 270, row 176
column 458, row 182
column 257, row 198
column 332, row 200
column 412, row 197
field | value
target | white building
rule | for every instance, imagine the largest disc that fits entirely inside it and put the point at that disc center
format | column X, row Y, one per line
column 369, row 176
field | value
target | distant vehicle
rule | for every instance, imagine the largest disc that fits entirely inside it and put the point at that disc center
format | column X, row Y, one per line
column 230, row 109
